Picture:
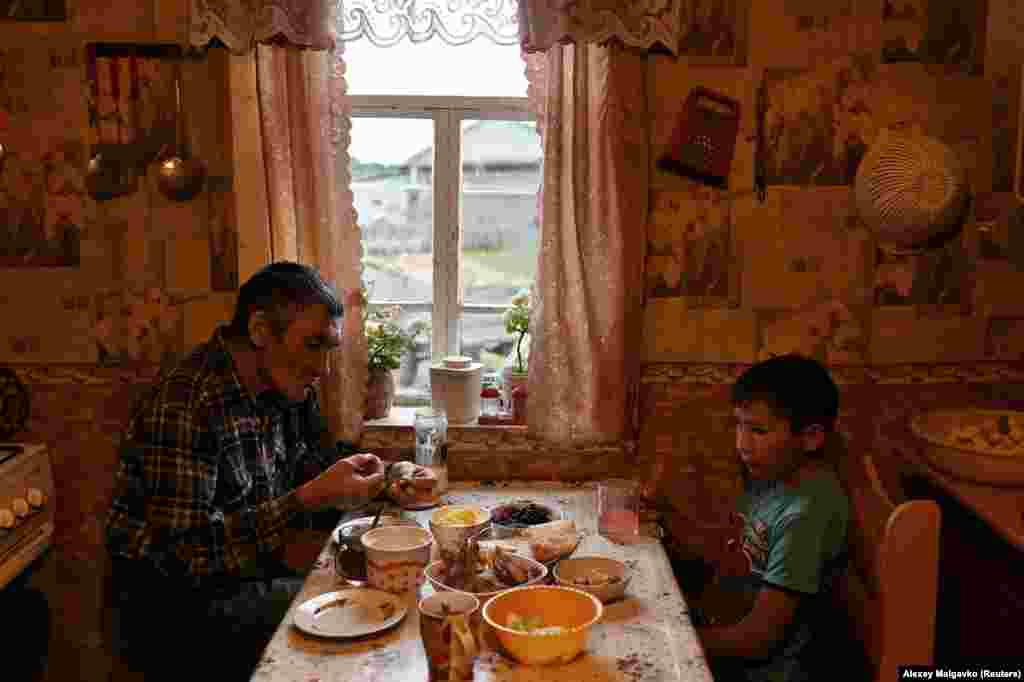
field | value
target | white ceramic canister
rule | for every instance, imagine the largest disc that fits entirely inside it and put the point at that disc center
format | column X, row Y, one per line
column 455, row 388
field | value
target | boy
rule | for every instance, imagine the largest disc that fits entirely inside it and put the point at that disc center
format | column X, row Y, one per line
column 794, row 515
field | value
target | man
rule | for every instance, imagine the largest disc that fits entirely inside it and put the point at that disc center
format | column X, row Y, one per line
column 217, row 459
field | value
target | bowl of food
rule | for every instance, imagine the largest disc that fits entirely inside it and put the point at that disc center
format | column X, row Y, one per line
column 543, row 624
column 551, row 542
column 602, row 577
column 510, row 518
column 453, row 524
column 983, row 446
column 492, row 577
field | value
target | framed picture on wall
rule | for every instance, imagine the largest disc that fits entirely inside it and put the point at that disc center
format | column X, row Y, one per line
column 691, row 248
column 948, row 32
column 817, row 120
column 714, row 32
column 33, row 10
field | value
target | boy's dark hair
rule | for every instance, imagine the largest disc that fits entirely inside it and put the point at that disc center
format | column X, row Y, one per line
column 276, row 290
column 797, row 388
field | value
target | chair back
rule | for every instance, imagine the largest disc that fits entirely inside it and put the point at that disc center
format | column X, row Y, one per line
column 889, row 593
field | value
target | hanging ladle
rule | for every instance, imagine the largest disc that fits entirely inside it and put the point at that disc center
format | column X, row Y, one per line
column 181, row 176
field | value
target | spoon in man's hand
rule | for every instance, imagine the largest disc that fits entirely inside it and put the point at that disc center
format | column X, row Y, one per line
column 376, row 518
column 383, row 494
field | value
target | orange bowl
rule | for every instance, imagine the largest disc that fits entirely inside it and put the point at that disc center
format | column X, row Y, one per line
column 571, row 610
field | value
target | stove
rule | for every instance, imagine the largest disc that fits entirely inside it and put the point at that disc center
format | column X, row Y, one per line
column 26, row 507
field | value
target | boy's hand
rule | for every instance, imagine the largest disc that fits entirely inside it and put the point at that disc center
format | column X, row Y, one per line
column 734, row 562
column 730, row 560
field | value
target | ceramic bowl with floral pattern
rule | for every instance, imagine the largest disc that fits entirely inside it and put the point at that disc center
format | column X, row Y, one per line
column 396, row 557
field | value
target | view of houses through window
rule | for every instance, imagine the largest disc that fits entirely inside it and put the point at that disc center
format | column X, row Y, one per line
column 446, row 166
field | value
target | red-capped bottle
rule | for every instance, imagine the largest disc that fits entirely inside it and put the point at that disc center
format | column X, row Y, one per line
column 519, row 400
column 490, row 400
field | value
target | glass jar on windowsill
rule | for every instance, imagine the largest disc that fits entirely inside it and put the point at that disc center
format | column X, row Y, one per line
column 490, row 398
column 431, row 430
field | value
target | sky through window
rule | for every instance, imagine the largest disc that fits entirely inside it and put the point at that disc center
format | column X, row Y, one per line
column 477, row 69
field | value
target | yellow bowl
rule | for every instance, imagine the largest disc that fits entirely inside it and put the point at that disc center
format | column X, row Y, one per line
column 453, row 524
column 573, row 610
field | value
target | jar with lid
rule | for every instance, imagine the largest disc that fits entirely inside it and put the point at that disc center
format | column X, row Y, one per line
column 490, row 398
column 431, row 426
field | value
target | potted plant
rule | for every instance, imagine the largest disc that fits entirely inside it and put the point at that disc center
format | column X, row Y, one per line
column 386, row 343
column 517, row 322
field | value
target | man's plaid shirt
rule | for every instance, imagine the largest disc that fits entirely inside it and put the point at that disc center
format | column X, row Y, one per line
column 204, row 489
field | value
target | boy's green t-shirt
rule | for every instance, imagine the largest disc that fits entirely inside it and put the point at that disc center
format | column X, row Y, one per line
column 795, row 537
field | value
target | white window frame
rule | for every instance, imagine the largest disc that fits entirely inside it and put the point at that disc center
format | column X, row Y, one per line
column 447, row 114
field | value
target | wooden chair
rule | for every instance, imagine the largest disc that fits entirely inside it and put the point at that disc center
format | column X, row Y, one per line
column 890, row 591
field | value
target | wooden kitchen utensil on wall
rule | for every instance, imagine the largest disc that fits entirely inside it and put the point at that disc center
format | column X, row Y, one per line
column 111, row 169
column 130, row 88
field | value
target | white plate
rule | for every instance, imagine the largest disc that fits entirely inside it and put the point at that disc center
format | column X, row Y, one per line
column 349, row 613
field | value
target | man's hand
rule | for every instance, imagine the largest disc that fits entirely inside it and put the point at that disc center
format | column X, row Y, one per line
column 412, row 484
column 359, row 477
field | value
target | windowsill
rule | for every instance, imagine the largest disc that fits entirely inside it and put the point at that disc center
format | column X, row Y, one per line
column 402, row 418
column 496, row 453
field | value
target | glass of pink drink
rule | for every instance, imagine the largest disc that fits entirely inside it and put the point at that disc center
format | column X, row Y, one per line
column 618, row 509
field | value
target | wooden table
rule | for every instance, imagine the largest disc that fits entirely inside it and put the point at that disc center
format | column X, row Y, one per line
column 646, row 637
column 981, row 587
column 1002, row 508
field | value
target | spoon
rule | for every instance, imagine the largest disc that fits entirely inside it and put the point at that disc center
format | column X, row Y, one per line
column 383, row 495
column 376, row 517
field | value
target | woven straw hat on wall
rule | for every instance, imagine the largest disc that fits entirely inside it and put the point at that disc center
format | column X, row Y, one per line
column 911, row 190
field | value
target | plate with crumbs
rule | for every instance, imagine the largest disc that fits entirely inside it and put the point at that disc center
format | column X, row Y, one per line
column 349, row 613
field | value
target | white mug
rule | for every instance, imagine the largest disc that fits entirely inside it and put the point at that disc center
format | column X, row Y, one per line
column 396, row 557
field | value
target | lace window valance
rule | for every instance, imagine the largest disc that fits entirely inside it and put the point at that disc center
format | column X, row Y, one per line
column 536, row 24
column 240, row 24
column 456, row 22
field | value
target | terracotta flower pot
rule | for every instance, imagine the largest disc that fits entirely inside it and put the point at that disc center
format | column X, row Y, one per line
column 380, row 393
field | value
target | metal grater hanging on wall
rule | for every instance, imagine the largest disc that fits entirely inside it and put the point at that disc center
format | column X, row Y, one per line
column 704, row 141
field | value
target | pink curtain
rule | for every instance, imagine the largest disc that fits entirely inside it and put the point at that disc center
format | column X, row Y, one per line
column 586, row 325
column 635, row 23
column 239, row 24
column 303, row 135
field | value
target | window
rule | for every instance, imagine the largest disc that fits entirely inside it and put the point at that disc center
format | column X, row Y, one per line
column 446, row 165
